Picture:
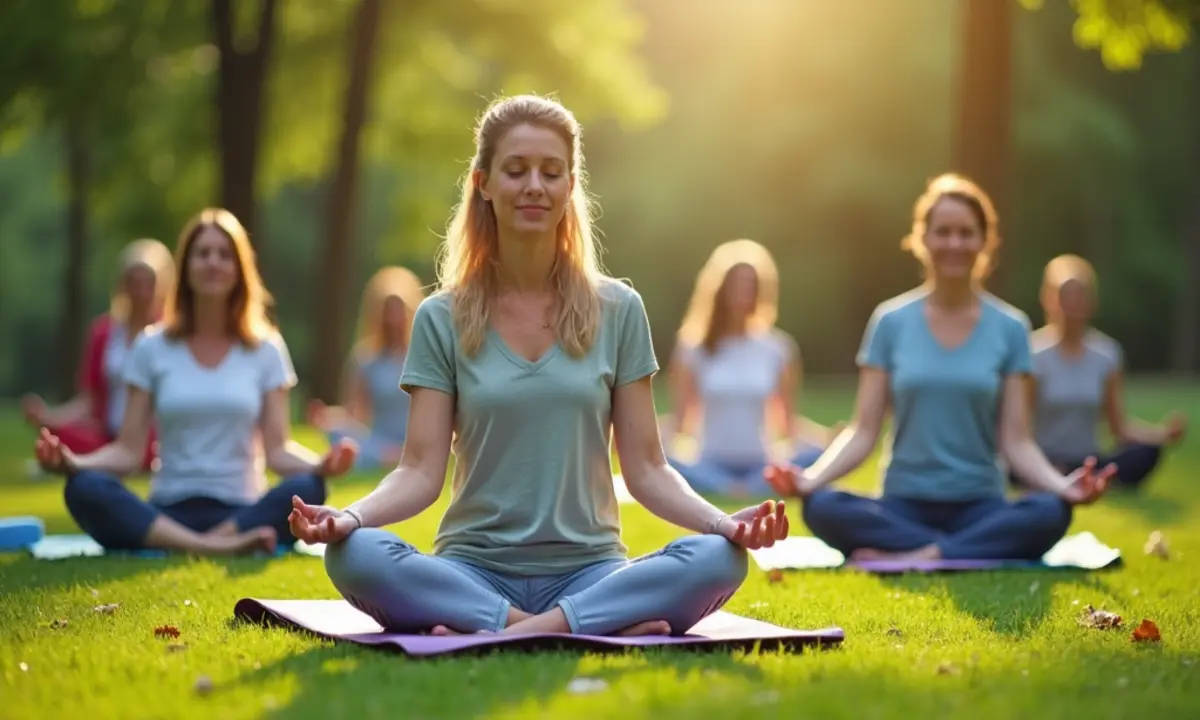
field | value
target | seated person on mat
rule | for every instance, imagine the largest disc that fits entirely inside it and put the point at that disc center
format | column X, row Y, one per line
column 739, row 372
column 1078, row 376
column 375, row 414
column 215, row 379
column 92, row 418
column 950, row 360
column 528, row 358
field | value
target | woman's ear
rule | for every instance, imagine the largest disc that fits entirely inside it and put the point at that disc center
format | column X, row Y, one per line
column 479, row 177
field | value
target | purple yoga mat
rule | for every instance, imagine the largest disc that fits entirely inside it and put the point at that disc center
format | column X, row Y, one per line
column 338, row 620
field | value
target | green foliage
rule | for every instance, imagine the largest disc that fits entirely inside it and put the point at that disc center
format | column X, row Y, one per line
column 1125, row 31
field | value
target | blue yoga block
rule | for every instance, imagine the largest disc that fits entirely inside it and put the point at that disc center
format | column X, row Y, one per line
column 18, row 533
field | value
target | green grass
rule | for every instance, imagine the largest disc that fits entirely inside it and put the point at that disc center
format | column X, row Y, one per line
column 1002, row 644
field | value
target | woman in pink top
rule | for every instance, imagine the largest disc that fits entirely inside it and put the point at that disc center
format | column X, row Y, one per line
column 92, row 418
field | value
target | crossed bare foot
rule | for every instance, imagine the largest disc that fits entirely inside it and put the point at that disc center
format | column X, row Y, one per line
column 244, row 543
column 929, row 552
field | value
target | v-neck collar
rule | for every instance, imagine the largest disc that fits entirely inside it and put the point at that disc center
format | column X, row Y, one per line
column 521, row 361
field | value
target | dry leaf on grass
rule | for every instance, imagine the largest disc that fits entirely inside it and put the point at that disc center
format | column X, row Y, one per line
column 107, row 609
column 1156, row 544
column 1146, row 632
column 1099, row 619
column 895, row 632
column 59, row 623
column 774, row 576
column 166, row 631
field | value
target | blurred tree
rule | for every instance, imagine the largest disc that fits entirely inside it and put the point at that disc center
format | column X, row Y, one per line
column 339, row 246
column 983, row 127
column 242, row 74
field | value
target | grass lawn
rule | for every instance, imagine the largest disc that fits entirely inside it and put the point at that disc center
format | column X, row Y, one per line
column 1002, row 644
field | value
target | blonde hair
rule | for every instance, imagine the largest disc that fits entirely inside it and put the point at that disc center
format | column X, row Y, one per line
column 247, row 305
column 1060, row 271
column 147, row 253
column 468, row 260
column 955, row 187
column 397, row 282
column 707, row 319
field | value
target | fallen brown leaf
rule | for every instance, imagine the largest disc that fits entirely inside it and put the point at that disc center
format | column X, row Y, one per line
column 166, row 631
column 1156, row 544
column 774, row 576
column 59, row 623
column 1147, row 631
column 1099, row 619
column 107, row 609
column 895, row 632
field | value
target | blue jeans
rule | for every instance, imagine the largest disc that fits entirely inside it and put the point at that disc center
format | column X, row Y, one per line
column 118, row 519
column 405, row 590
column 712, row 476
column 987, row 529
column 1135, row 462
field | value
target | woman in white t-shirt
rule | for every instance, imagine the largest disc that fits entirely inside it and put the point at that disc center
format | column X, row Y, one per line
column 215, row 378
column 738, row 374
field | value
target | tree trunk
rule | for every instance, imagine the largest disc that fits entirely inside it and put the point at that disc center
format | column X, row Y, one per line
column 1186, row 360
column 338, row 254
column 241, row 89
column 72, row 326
column 983, row 137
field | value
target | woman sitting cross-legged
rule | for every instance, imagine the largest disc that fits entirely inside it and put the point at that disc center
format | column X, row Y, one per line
column 529, row 358
column 1078, row 377
column 214, row 378
column 375, row 413
column 737, row 373
column 950, row 360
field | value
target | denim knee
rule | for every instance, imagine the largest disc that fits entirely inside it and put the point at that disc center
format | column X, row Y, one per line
column 1052, row 514
column 307, row 486
column 359, row 562
column 719, row 563
column 820, row 508
column 100, row 506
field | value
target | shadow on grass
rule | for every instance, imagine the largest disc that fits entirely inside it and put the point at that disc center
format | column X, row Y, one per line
column 1157, row 509
column 1012, row 603
column 346, row 680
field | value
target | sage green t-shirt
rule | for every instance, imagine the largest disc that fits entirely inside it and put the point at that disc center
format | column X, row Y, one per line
column 533, row 488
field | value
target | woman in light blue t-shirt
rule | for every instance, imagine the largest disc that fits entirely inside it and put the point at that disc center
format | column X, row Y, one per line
column 738, row 375
column 214, row 377
column 524, row 364
column 374, row 413
column 1078, row 379
column 950, row 361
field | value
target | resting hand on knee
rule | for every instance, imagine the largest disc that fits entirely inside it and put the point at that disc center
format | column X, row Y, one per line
column 320, row 523
column 757, row 526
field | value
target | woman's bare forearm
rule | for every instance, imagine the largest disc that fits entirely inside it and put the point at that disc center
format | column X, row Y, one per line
column 1030, row 464
column 663, row 491
column 115, row 458
column 402, row 494
column 846, row 453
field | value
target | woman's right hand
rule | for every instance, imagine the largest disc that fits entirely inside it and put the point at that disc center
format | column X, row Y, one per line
column 319, row 523
column 53, row 456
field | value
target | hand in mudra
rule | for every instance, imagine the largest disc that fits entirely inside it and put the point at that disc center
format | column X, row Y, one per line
column 339, row 459
column 788, row 480
column 319, row 523
column 1086, row 484
column 757, row 526
column 52, row 455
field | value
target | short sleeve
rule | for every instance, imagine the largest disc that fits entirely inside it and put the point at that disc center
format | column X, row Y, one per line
column 635, row 344
column 429, row 362
column 1019, row 359
column 876, row 348
column 138, row 370
column 277, row 371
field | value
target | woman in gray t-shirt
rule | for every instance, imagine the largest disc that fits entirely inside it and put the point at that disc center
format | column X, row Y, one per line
column 1077, row 381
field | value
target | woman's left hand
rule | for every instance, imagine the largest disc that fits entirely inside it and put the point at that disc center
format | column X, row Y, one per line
column 757, row 526
column 339, row 459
